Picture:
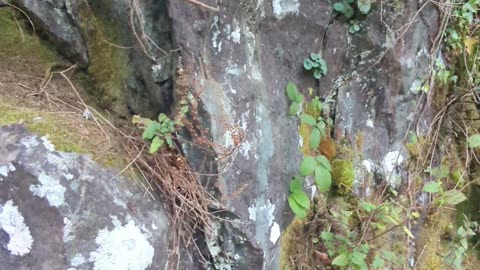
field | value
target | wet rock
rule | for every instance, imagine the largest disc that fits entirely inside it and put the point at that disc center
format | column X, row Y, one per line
column 64, row 211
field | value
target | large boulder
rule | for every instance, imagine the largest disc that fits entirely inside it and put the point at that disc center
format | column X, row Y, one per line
column 64, row 211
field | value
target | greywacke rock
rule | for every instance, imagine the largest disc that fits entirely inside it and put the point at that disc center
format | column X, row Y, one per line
column 64, row 211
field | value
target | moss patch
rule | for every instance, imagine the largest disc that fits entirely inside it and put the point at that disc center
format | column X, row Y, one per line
column 109, row 65
column 18, row 43
column 343, row 175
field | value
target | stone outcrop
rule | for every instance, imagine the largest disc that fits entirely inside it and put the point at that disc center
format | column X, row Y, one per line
column 237, row 62
column 64, row 211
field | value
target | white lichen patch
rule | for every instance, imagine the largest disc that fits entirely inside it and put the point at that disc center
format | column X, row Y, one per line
column 49, row 188
column 275, row 233
column 264, row 211
column 50, row 147
column 123, row 248
column 390, row 161
column 369, row 123
column 29, row 141
column 13, row 223
column 284, row 7
column 67, row 230
column 236, row 35
column 77, row 260
column 6, row 169
column 368, row 164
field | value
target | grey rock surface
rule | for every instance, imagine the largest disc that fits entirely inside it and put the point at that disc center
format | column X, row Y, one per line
column 64, row 211
column 238, row 61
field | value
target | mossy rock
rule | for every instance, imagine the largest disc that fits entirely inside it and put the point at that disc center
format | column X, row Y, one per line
column 18, row 42
column 343, row 175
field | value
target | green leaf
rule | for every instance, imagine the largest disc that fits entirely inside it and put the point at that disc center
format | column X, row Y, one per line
column 299, row 98
column 323, row 179
column 326, row 236
column 454, row 197
column 440, row 172
column 323, row 66
column 308, row 165
column 388, row 255
column 323, row 161
column 307, row 64
column 296, row 185
column 367, row 207
column 315, row 137
column 378, row 262
column 169, row 140
column 156, row 144
column 349, row 12
column 340, row 7
column 314, row 56
column 308, row 119
column 364, row 6
column 294, row 108
column 474, row 141
column 292, row 91
column 302, row 199
column 317, row 74
column 162, row 117
column 358, row 259
column 341, row 260
column 151, row 130
column 296, row 208
column 431, row 187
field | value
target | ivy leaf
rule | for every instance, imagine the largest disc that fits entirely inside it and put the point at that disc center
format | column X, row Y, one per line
column 292, row 91
column 454, row 197
column 302, row 199
column 296, row 185
column 308, row 165
column 474, row 141
column 315, row 137
column 440, row 172
column 296, row 208
column 308, row 64
column 151, row 130
column 340, row 7
column 323, row 179
column 294, row 108
column 323, row 161
column 431, row 187
column 308, row 119
column 341, row 260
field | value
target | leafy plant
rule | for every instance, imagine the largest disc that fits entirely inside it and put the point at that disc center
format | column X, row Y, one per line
column 298, row 199
column 315, row 64
column 346, row 7
column 354, row 26
column 450, row 197
column 157, row 132
column 459, row 246
column 295, row 97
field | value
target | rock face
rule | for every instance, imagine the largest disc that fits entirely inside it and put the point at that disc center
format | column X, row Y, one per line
column 63, row 211
column 237, row 62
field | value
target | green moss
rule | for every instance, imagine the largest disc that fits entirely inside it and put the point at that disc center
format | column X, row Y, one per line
column 44, row 124
column 109, row 65
column 18, row 42
column 343, row 175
